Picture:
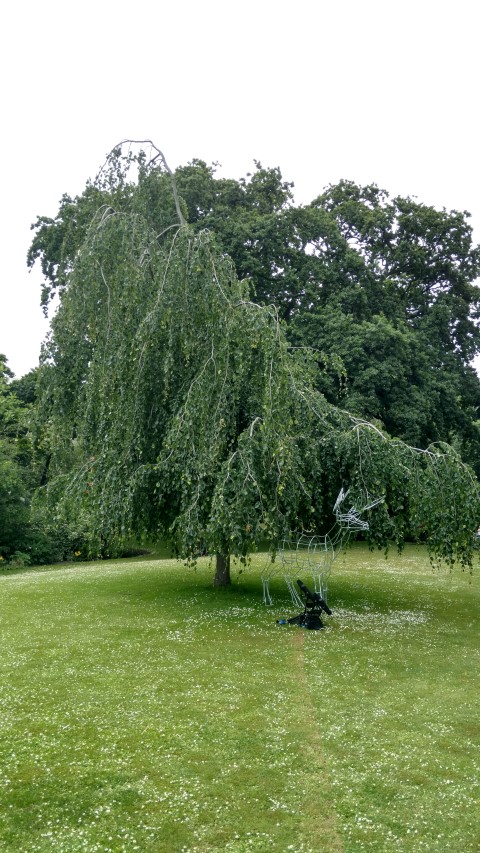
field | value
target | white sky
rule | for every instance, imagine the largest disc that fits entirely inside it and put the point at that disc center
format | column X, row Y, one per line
column 369, row 90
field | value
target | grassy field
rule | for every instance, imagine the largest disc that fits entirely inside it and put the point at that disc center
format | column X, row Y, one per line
column 142, row 710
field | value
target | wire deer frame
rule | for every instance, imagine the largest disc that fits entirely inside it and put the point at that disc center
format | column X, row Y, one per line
column 314, row 555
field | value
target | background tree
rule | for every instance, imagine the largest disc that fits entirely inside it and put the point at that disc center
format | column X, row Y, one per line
column 15, row 475
column 387, row 285
column 179, row 408
column 25, row 388
column 27, row 534
column 402, row 314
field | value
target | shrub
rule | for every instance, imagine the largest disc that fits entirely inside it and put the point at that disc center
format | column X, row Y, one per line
column 19, row 560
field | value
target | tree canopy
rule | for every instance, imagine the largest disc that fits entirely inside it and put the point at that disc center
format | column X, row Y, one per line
column 181, row 407
column 384, row 288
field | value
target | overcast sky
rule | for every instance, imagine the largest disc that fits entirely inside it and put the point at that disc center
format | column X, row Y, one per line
column 369, row 90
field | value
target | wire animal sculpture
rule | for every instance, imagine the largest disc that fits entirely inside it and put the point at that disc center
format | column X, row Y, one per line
column 312, row 555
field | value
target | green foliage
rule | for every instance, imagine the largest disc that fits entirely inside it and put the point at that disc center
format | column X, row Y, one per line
column 19, row 560
column 15, row 456
column 27, row 534
column 388, row 286
column 13, row 501
column 177, row 407
column 392, row 291
column 25, row 388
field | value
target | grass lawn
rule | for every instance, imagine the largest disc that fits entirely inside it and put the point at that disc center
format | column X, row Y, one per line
column 142, row 710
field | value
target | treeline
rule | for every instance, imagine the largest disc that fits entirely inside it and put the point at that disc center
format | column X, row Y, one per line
column 31, row 533
column 28, row 533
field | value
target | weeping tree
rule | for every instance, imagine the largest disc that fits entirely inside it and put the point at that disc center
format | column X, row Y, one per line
column 176, row 407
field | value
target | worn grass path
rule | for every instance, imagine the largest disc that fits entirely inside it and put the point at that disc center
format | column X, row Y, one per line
column 142, row 710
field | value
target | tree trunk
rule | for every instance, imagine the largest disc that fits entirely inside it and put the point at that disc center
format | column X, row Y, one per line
column 222, row 570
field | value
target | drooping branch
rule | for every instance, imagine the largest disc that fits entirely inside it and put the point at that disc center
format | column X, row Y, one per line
column 158, row 156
